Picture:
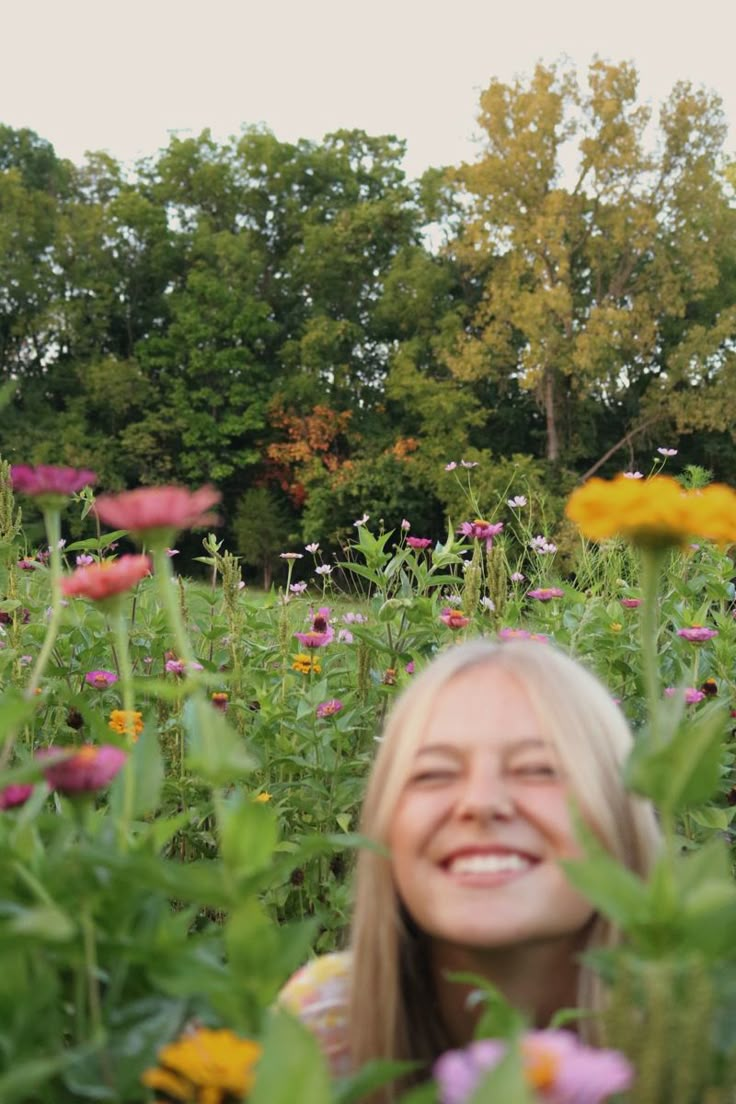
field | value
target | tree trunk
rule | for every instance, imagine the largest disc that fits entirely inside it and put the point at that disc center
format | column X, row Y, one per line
column 553, row 441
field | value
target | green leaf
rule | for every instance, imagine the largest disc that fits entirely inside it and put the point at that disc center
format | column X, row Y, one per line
column 147, row 767
column 505, row 1082
column 291, row 1057
column 248, row 834
column 214, row 749
column 370, row 1077
column 611, row 887
column 686, row 770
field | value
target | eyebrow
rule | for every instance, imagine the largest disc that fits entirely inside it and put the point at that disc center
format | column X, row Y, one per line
column 515, row 745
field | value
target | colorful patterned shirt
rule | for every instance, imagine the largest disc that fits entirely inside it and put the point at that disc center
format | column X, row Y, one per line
column 318, row 995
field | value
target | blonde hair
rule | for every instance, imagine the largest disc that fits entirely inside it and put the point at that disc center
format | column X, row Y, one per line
column 391, row 1005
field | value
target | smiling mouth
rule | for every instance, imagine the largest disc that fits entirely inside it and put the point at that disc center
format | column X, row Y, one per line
column 478, row 863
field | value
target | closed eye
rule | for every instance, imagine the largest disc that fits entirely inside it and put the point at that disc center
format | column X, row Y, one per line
column 535, row 770
column 429, row 776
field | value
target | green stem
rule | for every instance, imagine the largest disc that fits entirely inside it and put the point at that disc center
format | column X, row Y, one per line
column 52, row 520
column 651, row 562
column 120, row 631
column 170, row 602
column 90, row 964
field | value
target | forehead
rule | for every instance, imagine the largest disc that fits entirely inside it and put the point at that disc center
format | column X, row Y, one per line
column 485, row 705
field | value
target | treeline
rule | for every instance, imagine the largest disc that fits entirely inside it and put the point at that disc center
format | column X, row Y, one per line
column 319, row 336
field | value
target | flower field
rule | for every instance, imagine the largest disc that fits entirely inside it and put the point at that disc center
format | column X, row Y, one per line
column 182, row 769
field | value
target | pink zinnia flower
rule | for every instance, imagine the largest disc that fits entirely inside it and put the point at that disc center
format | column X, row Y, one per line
column 556, row 1064
column 313, row 639
column 454, row 619
column 101, row 679
column 179, row 666
column 104, row 580
column 46, row 480
column 14, row 795
column 521, row 634
column 692, row 695
column 545, row 594
column 630, row 603
column 164, row 508
column 410, row 667
column 418, row 542
column 697, row 634
column 89, row 768
column 481, row 530
column 27, row 565
column 329, row 708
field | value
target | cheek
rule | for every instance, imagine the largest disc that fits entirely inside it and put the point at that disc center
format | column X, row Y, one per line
column 549, row 812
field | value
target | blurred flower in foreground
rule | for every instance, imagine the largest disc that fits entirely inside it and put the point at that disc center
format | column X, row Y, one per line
column 205, row 1066
column 697, row 634
column 13, row 796
column 101, row 679
column 104, row 580
column 126, row 722
column 329, row 708
column 653, row 513
column 262, row 798
column 46, row 481
column 692, row 695
column 89, row 768
column 562, row 1069
column 163, row 508
column 454, row 619
column 179, row 667
column 220, row 700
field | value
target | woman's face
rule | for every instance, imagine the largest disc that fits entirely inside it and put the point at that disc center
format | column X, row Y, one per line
column 483, row 820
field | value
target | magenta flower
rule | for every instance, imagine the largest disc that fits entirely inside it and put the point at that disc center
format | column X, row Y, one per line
column 27, row 565
column 545, row 594
column 418, row 542
column 101, row 680
column 329, row 708
column 88, row 769
column 521, row 634
column 561, row 1068
column 14, row 795
column 47, row 481
column 158, row 508
column 179, row 667
column 692, row 695
column 410, row 667
column 454, row 619
column 697, row 634
column 630, row 603
column 481, row 530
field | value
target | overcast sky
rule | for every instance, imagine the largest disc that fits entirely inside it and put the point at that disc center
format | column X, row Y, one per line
column 107, row 74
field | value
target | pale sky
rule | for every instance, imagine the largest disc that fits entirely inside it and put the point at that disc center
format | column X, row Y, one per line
column 108, row 74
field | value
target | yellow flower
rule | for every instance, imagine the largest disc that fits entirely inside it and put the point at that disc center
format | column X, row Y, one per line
column 262, row 798
column 126, row 721
column 305, row 664
column 205, row 1067
column 616, row 626
column 653, row 512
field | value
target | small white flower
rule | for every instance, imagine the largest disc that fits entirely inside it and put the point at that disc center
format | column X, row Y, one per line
column 360, row 521
column 297, row 588
column 453, row 600
column 313, row 547
column 83, row 560
column 172, row 552
column 345, row 636
column 517, row 577
column 405, row 525
column 291, row 556
column 667, row 452
column 516, row 502
column 323, row 569
column 488, row 603
column 468, row 463
column 451, row 466
column 633, row 475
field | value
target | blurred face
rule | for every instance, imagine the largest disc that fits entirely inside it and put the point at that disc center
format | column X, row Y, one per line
column 482, row 822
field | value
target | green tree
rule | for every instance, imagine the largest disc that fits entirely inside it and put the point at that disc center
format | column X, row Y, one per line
column 590, row 279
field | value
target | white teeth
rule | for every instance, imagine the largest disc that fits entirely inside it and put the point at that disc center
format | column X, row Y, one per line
column 488, row 864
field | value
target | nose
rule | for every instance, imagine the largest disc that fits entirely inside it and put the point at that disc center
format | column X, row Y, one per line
column 485, row 794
